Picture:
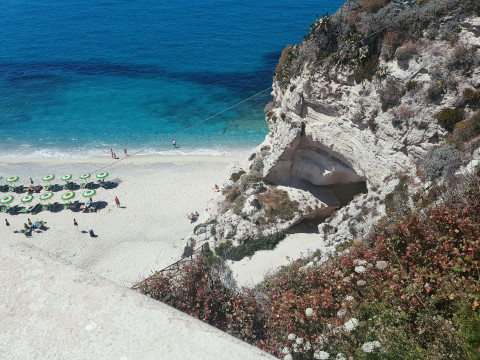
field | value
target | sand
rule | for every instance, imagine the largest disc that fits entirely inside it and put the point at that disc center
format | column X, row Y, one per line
column 250, row 271
column 147, row 233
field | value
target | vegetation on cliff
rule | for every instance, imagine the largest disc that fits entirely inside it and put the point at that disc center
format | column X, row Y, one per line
column 411, row 290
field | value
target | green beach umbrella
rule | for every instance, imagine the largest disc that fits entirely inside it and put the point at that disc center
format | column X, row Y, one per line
column 66, row 177
column 6, row 200
column 89, row 193
column 48, row 178
column 12, row 179
column 46, row 196
column 27, row 199
column 84, row 176
column 69, row 195
column 102, row 175
column 1, row 177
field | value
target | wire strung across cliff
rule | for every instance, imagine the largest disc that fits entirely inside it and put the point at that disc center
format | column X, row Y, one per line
column 172, row 136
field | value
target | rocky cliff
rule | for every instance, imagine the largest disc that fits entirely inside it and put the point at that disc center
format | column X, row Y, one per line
column 355, row 105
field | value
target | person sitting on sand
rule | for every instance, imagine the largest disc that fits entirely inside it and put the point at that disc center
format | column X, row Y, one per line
column 31, row 189
column 26, row 226
column 38, row 188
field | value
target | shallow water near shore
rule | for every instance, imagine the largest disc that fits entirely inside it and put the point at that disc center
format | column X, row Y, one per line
column 80, row 78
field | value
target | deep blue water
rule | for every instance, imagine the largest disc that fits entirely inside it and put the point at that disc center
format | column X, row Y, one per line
column 80, row 77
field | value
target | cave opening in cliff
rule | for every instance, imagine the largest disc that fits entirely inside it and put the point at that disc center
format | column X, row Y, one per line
column 343, row 192
column 329, row 176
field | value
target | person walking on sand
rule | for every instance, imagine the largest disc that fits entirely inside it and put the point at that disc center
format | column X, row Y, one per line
column 125, row 151
column 117, row 201
column 31, row 181
column 174, row 144
column 111, row 153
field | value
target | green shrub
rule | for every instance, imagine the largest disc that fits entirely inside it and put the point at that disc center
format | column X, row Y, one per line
column 222, row 249
column 467, row 129
column 472, row 97
column 372, row 6
column 444, row 160
column 412, row 85
column 227, row 251
column 235, row 176
column 372, row 124
column 211, row 222
column 366, row 70
column 448, row 117
column 463, row 58
column 232, row 194
column 468, row 321
column 405, row 52
column 392, row 93
column 277, row 205
column 436, row 91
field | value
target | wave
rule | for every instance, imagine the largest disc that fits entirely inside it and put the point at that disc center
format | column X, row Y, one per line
column 29, row 152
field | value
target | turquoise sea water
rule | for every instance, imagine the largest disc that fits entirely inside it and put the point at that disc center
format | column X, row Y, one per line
column 80, row 77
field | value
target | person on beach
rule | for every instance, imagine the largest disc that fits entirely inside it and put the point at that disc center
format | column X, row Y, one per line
column 174, row 144
column 114, row 155
column 26, row 226
column 111, row 153
column 125, row 151
column 117, row 201
column 31, row 181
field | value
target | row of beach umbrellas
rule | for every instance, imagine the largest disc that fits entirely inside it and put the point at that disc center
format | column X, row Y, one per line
column 66, row 196
column 68, row 177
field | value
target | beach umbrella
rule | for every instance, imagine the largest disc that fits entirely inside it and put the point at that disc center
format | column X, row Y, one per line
column 75, row 222
column 69, row 195
column 27, row 199
column 66, row 177
column 102, row 175
column 12, row 179
column 46, row 196
column 84, row 176
column 1, row 177
column 6, row 200
column 48, row 178
column 89, row 193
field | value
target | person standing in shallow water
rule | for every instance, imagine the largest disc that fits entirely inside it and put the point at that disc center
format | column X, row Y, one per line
column 174, row 144
column 111, row 153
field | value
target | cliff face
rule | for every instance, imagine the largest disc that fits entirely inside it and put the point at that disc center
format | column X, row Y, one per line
column 346, row 118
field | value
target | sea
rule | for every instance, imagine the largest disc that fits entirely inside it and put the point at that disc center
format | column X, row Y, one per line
column 78, row 78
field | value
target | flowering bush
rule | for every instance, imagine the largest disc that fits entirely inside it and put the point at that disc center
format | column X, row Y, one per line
column 412, row 291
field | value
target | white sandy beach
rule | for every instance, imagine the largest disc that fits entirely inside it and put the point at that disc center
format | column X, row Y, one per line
column 147, row 233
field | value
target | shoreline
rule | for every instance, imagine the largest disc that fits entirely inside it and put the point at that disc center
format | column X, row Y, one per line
column 146, row 234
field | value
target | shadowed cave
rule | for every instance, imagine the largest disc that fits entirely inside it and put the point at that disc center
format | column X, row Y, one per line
column 310, row 166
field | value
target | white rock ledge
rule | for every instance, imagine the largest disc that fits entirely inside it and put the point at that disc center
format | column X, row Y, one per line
column 50, row 309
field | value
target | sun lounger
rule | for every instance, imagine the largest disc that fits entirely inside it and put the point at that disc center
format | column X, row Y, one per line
column 24, row 210
column 50, row 207
column 36, row 209
column 70, row 186
column 26, row 232
column 93, row 207
column 4, row 188
column 106, row 184
column 73, row 206
column 90, row 185
column 13, row 209
column 4, row 209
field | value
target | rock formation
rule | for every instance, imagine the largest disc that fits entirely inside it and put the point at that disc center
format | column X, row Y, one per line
column 348, row 119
